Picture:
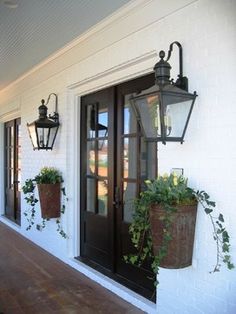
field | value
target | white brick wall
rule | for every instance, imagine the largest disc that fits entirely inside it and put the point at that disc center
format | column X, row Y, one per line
column 125, row 47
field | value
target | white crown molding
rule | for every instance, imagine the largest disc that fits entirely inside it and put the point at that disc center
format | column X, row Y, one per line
column 125, row 67
column 13, row 114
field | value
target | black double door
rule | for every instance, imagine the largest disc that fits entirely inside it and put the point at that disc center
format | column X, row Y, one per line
column 115, row 161
column 12, row 167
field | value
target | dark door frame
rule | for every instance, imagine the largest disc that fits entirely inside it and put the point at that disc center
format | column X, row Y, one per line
column 12, row 201
column 83, row 156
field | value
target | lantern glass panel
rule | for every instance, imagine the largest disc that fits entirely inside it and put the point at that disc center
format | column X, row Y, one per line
column 42, row 136
column 149, row 111
column 176, row 117
column 33, row 134
column 51, row 136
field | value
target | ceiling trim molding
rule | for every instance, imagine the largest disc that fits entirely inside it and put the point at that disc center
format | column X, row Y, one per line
column 127, row 69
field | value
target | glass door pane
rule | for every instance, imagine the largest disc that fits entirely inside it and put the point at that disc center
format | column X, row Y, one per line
column 139, row 159
column 96, row 178
column 12, row 164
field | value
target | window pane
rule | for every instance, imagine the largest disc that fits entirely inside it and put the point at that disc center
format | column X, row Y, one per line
column 102, row 197
column 12, row 178
column 91, row 121
column 130, row 158
column 102, row 158
column 102, row 121
column 11, row 157
column 148, row 160
column 91, row 194
column 12, row 136
column 19, row 180
column 19, row 134
column 19, row 157
column 130, row 122
column 91, row 157
column 129, row 194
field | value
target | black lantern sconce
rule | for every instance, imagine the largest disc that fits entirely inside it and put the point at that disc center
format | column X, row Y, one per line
column 164, row 110
column 44, row 130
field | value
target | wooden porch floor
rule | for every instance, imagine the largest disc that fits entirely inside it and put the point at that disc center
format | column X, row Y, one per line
column 33, row 281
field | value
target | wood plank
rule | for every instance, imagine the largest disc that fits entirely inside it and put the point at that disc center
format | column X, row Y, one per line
column 34, row 281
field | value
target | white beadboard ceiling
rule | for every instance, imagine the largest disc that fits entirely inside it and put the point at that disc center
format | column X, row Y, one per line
column 31, row 30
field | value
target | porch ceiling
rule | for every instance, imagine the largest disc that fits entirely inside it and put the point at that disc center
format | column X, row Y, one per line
column 31, row 30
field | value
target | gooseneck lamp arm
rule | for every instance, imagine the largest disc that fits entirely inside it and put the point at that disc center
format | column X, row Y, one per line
column 182, row 81
column 55, row 116
column 180, row 56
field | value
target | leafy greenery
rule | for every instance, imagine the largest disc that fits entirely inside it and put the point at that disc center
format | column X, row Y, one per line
column 171, row 191
column 47, row 175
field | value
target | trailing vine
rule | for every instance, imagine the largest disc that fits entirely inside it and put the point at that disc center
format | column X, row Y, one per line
column 220, row 234
column 170, row 191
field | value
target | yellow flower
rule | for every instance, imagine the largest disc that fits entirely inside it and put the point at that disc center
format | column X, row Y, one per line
column 165, row 176
column 175, row 181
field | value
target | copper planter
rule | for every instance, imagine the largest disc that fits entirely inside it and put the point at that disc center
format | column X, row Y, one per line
column 50, row 200
column 180, row 248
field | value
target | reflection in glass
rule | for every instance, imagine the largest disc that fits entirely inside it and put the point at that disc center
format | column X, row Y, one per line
column 11, row 157
column 130, row 160
column 149, row 112
column 129, row 193
column 8, row 177
column 102, row 197
column 90, row 157
column 19, row 180
column 12, row 136
column 91, row 189
column 102, row 120
column 32, row 134
column 11, row 178
column 91, row 121
column 102, row 158
column 19, row 134
column 148, row 160
column 19, row 157
column 130, row 122
column 176, row 117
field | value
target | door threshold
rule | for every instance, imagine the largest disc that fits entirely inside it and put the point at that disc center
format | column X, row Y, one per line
column 10, row 223
column 113, row 286
column 140, row 290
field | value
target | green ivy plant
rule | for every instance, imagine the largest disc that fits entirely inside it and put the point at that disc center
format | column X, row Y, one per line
column 47, row 175
column 170, row 191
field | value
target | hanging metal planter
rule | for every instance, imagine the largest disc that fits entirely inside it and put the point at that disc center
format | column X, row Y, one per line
column 50, row 200
column 180, row 247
